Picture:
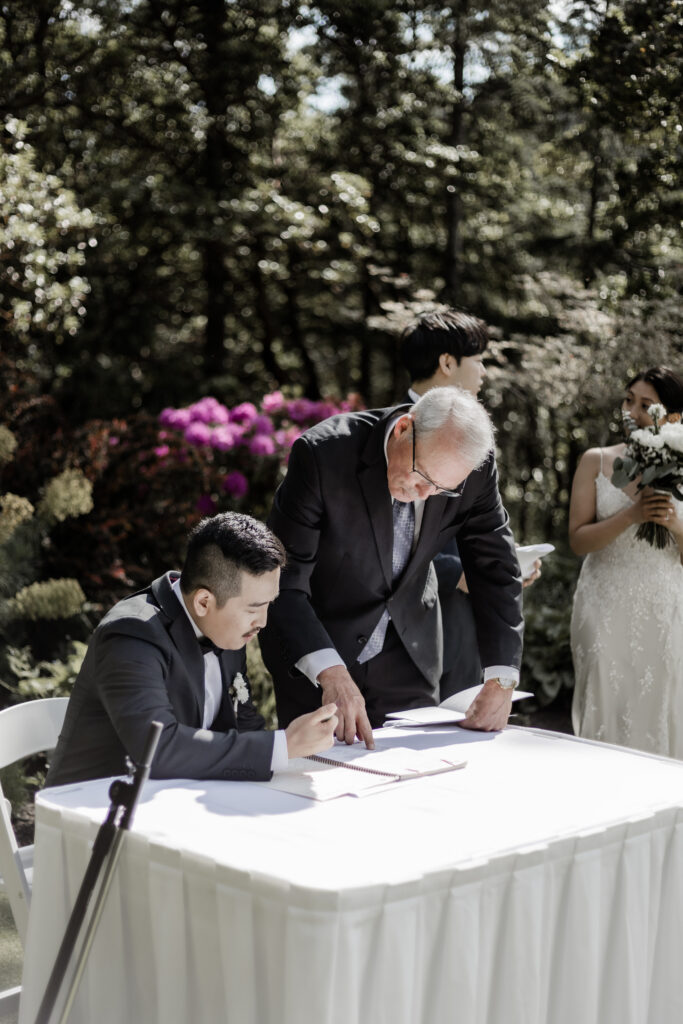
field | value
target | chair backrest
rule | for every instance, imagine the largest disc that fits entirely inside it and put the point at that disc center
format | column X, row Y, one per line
column 25, row 729
column 28, row 728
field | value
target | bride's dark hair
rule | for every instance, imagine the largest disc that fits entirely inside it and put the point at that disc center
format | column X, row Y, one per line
column 667, row 383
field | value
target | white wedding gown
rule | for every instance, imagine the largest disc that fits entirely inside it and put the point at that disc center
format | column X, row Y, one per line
column 627, row 639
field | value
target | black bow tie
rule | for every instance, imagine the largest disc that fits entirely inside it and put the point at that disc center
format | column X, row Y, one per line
column 207, row 646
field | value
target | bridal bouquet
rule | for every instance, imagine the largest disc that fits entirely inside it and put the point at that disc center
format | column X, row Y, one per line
column 655, row 454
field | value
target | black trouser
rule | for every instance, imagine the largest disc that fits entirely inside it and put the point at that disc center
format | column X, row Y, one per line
column 389, row 682
column 461, row 665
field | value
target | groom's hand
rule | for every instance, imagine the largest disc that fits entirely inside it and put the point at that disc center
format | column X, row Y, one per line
column 339, row 688
column 490, row 710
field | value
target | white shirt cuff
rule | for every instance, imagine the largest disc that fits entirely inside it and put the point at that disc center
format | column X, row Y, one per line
column 501, row 670
column 280, row 758
column 313, row 664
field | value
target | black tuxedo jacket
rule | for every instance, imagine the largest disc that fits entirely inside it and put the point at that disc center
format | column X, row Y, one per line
column 333, row 512
column 143, row 664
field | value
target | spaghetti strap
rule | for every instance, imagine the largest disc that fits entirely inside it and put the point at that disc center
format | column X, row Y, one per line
column 601, row 461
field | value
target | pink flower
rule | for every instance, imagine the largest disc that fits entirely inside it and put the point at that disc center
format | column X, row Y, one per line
column 236, row 484
column 206, row 504
column 261, row 444
column 198, row 433
column 245, row 413
column 209, row 410
column 273, row 402
column 286, row 438
column 323, row 410
column 224, row 438
column 113, row 441
column 300, row 409
column 263, row 425
column 162, row 451
column 179, row 419
column 352, row 402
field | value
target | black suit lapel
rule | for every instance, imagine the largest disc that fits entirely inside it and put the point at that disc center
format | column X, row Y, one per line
column 372, row 478
column 432, row 517
column 226, row 718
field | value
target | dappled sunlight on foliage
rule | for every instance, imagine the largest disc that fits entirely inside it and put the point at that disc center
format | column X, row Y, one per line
column 250, row 202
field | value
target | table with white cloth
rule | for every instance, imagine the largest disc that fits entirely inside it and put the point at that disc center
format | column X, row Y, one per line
column 541, row 884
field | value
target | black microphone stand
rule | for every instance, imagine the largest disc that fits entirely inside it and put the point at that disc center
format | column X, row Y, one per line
column 104, row 857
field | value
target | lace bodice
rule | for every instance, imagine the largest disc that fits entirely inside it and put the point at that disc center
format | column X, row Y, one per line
column 627, row 548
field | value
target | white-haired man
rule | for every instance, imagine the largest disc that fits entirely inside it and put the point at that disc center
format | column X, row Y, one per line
column 368, row 500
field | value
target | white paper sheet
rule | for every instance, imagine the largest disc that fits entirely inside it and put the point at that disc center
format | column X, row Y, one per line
column 528, row 553
column 451, row 710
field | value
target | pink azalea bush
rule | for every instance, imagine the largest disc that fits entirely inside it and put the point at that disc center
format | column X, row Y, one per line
column 244, row 447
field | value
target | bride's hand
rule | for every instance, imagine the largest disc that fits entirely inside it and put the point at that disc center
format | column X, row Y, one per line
column 658, row 508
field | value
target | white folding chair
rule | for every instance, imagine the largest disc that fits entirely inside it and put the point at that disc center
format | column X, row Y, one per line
column 25, row 729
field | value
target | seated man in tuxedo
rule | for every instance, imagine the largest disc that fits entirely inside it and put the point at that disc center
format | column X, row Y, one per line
column 368, row 500
column 175, row 653
column 439, row 350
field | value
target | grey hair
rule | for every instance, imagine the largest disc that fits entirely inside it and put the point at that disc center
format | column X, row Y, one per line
column 466, row 417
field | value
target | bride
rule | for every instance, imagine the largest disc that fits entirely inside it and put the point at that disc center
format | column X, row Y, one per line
column 627, row 621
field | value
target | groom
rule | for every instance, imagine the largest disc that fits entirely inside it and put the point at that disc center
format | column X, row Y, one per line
column 174, row 653
column 368, row 501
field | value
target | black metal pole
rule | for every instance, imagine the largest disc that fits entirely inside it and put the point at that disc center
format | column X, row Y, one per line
column 124, row 797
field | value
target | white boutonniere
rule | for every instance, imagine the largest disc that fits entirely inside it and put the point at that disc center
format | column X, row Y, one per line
column 240, row 690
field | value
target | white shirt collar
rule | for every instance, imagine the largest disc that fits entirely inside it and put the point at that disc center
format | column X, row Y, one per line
column 175, row 587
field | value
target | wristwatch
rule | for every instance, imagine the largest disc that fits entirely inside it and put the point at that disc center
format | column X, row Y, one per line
column 506, row 682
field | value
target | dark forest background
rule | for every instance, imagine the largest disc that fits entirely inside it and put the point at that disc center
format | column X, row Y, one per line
column 229, row 198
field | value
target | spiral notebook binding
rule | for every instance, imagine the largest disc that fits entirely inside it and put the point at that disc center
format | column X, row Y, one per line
column 355, row 767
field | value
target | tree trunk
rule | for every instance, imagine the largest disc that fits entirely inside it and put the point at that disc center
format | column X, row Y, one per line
column 454, row 247
column 265, row 314
column 215, row 157
column 312, row 384
column 588, row 261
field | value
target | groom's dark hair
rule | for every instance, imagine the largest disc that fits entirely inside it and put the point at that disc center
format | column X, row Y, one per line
column 667, row 383
column 452, row 331
column 220, row 547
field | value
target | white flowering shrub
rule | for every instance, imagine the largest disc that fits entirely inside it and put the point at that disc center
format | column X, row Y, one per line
column 44, row 235
column 27, row 602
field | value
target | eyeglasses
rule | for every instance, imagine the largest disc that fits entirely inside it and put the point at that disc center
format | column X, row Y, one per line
column 438, row 489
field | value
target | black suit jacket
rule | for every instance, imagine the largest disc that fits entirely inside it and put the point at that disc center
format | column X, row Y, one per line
column 333, row 513
column 143, row 664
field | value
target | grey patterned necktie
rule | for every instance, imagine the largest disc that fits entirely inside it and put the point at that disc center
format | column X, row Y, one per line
column 404, row 529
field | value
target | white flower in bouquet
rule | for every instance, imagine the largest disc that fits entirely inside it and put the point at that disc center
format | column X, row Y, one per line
column 628, row 421
column 672, row 435
column 644, row 437
column 240, row 690
column 657, row 412
column 654, row 458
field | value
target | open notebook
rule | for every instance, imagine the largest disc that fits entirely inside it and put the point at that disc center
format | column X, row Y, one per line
column 355, row 771
column 453, row 709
